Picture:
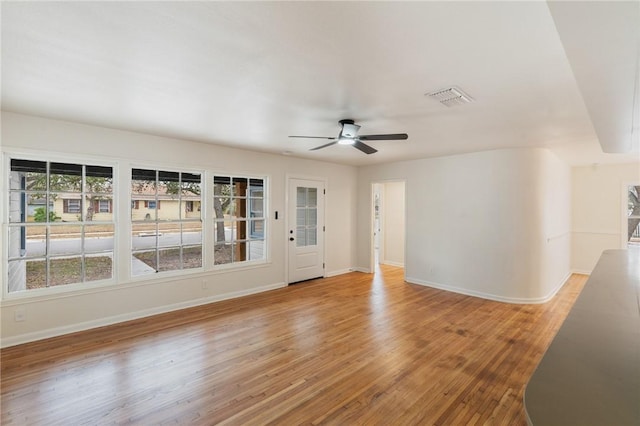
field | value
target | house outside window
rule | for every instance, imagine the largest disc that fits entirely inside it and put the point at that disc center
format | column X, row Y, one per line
column 54, row 237
column 164, row 237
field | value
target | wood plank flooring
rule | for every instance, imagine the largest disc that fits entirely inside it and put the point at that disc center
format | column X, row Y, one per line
column 353, row 349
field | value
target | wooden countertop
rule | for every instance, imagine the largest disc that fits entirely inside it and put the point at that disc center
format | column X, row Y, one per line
column 590, row 375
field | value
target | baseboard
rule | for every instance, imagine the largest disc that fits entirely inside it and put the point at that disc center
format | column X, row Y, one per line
column 467, row 292
column 390, row 263
column 339, row 272
column 581, row 272
column 87, row 325
column 363, row 270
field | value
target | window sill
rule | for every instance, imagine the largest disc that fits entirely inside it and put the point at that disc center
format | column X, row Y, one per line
column 20, row 298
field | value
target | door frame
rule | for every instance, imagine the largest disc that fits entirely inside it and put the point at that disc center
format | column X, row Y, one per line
column 624, row 223
column 372, row 265
column 288, row 220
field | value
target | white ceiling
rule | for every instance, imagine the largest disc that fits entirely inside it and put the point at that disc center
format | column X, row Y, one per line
column 250, row 74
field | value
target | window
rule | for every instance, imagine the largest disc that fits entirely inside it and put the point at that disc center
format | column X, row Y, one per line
column 164, row 237
column 71, row 206
column 239, row 223
column 54, row 237
column 103, row 206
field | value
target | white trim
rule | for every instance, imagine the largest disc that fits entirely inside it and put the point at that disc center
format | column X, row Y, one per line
column 81, row 289
column 595, row 232
column 467, row 292
column 87, row 325
column 391, row 263
column 581, row 271
column 338, row 272
column 361, row 269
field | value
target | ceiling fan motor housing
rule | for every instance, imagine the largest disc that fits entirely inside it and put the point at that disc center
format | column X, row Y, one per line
column 349, row 129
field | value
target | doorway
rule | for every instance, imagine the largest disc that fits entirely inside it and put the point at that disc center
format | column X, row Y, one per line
column 388, row 224
column 305, row 229
column 631, row 222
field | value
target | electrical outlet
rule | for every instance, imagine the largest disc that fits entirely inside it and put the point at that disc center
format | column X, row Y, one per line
column 19, row 315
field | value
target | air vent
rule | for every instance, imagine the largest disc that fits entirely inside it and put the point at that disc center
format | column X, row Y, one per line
column 450, row 97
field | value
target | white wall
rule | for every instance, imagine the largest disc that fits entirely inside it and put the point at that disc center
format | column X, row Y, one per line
column 598, row 205
column 393, row 225
column 493, row 224
column 56, row 314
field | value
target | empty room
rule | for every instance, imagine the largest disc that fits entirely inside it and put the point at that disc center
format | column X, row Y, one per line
column 389, row 213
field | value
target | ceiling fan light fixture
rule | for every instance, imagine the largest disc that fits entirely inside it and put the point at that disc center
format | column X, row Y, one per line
column 349, row 130
column 342, row 140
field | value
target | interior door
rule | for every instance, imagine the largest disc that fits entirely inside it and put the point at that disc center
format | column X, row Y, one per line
column 305, row 229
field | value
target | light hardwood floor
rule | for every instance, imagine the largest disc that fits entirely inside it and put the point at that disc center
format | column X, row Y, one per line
column 353, row 349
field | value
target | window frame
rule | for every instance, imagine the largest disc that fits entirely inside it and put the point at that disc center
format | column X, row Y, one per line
column 248, row 219
column 54, row 289
column 157, row 221
column 120, row 221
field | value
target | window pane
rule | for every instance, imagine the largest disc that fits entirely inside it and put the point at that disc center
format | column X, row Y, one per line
column 256, row 207
column 190, row 185
column 36, row 274
column 312, row 236
column 240, row 207
column 222, row 186
column 98, row 185
column 65, row 177
column 36, row 241
column 65, row 239
column 66, row 270
column 312, row 197
column 240, row 230
column 301, row 217
column 169, row 234
column 301, row 196
column 18, row 207
column 19, row 271
column 170, row 259
column 190, row 209
column 168, row 208
column 67, row 206
column 239, row 187
column 192, row 257
column 222, row 207
column 240, row 251
column 301, row 237
column 222, row 254
column 98, row 268
column 191, row 233
column 257, row 229
column 143, row 235
column 256, row 250
column 143, row 182
column 312, row 217
column 222, row 233
column 99, row 208
column 143, row 262
column 33, row 172
column 98, row 238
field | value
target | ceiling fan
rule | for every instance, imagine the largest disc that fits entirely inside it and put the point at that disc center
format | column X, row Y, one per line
column 349, row 136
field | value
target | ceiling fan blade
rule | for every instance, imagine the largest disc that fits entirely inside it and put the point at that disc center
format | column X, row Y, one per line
column 313, row 137
column 364, row 147
column 389, row 137
column 323, row 146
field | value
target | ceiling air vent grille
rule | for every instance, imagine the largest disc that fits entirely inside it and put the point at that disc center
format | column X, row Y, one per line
column 451, row 97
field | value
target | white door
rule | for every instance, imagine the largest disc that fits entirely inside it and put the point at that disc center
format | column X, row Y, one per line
column 305, row 229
